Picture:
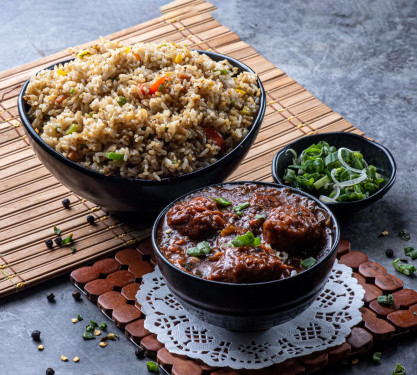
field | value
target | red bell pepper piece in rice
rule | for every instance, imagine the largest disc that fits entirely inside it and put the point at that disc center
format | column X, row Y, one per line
column 160, row 81
column 212, row 133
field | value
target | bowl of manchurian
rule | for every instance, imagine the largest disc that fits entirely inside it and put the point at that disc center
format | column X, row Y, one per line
column 246, row 255
column 131, row 128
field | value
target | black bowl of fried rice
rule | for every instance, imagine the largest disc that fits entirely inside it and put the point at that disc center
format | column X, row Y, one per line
column 131, row 128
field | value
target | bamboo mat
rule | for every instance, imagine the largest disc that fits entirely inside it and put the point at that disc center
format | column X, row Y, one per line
column 30, row 198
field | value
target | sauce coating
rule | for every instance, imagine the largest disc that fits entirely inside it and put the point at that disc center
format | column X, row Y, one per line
column 244, row 233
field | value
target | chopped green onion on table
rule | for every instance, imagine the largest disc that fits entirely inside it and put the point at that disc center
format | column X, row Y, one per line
column 334, row 175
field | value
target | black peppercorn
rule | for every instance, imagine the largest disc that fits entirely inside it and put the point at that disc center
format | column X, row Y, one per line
column 50, row 297
column 90, row 219
column 36, row 335
column 76, row 295
column 58, row 241
column 140, row 353
column 49, row 244
column 66, row 202
column 389, row 253
column 50, row 371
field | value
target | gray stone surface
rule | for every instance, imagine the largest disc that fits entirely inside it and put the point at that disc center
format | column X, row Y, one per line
column 358, row 57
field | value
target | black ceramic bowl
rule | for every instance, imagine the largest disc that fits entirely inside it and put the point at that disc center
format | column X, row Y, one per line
column 247, row 307
column 139, row 197
column 373, row 153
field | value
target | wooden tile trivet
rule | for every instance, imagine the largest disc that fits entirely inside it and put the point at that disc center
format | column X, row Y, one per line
column 112, row 283
column 30, row 198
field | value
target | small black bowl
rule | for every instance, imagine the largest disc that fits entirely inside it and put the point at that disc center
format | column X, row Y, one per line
column 373, row 153
column 247, row 307
column 134, row 197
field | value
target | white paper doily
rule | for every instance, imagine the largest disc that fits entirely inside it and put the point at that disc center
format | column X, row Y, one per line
column 326, row 323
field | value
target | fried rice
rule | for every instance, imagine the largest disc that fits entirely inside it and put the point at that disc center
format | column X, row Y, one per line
column 146, row 111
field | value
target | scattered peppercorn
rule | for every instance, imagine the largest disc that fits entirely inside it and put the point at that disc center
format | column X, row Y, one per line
column 140, row 353
column 90, row 219
column 49, row 244
column 36, row 335
column 58, row 241
column 50, row 297
column 66, row 202
column 76, row 295
column 389, row 253
column 50, row 371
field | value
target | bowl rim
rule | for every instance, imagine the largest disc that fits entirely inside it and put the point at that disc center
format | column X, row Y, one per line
column 366, row 141
column 332, row 250
column 164, row 181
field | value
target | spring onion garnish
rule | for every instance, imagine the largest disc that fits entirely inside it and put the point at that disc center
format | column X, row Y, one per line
column 79, row 317
column 232, row 103
column 72, row 91
column 404, row 268
column 308, row 263
column 399, row 370
column 161, row 88
column 223, row 72
column 404, row 234
column 376, row 358
column 67, row 240
column 102, row 326
column 114, row 156
column 238, row 209
column 260, row 217
column 122, row 101
column 248, row 239
column 334, row 175
column 152, row 366
column 57, row 231
column 73, row 128
column 82, row 54
column 387, row 300
column 73, row 250
column 201, row 249
column 88, row 335
column 411, row 252
column 222, row 202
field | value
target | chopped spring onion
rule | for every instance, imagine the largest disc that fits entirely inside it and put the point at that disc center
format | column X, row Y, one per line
column 376, row 358
column 333, row 175
column 161, row 88
column 238, row 209
column 67, row 240
column 72, row 91
column 114, row 156
column 260, row 217
column 308, row 263
column 411, row 252
column 232, row 103
column 201, row 249
column 91, row 114
column 387, row 300
column 399, row 370
column 404, row 268
column 223, row 72
column 82, row 54
column 404, row 234
column 152, row 366
column 73, row 128
column 222, row 202
column 122, row 101
column 57, row 231
column 248, row 239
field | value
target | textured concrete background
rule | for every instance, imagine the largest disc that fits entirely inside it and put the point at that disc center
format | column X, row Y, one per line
column 358, row 57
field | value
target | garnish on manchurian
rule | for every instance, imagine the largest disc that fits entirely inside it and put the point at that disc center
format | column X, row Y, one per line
column 334, row 175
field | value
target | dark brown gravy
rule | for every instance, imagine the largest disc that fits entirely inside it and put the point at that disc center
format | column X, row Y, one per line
column 290, row 227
